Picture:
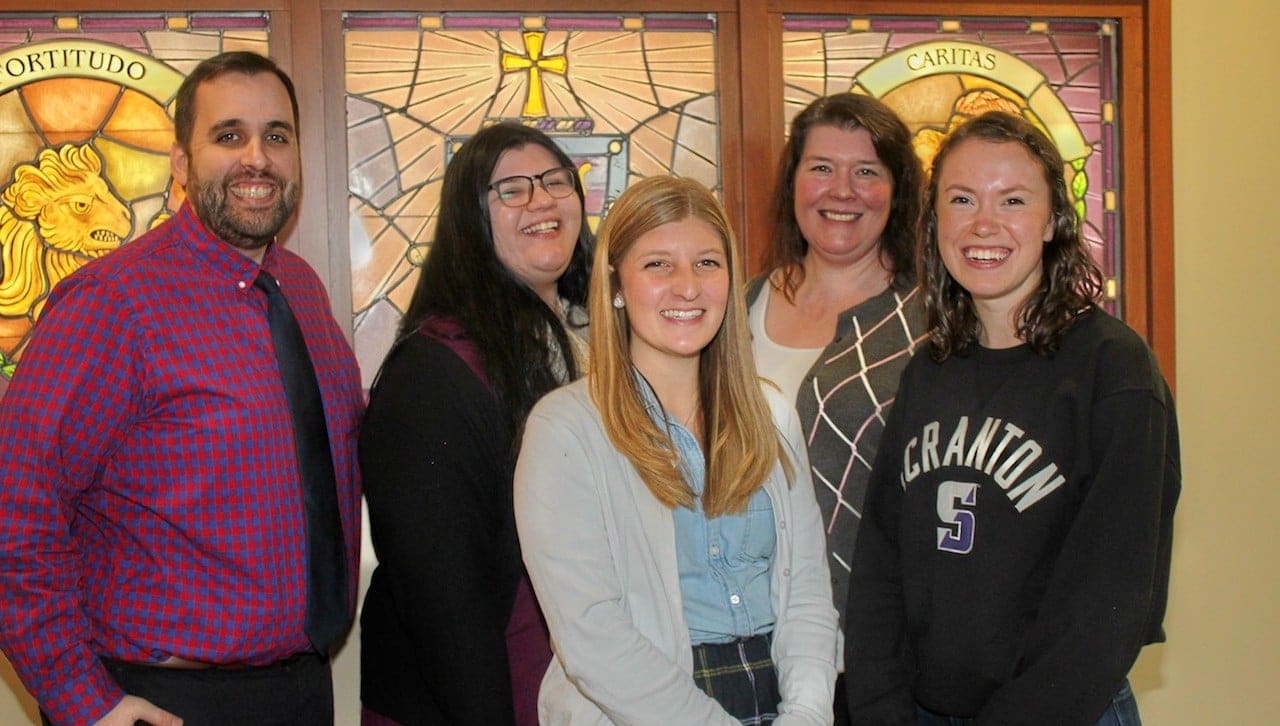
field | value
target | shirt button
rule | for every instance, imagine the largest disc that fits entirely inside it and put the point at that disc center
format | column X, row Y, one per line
column 242, row 284
column 715, row 550
column 786, row 572
column 734, row 599
column 782, row 524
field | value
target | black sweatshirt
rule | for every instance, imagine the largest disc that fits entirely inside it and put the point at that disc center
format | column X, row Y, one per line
column 1014, row 551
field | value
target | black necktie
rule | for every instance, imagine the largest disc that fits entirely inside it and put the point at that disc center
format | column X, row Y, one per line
column 326, row 561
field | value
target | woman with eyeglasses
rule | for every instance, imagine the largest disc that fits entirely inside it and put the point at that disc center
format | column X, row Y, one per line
column 451, row 632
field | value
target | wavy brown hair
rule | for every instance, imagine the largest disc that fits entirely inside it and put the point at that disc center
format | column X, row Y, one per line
column 892, row 142
column 1071, row 282
column 742, row 442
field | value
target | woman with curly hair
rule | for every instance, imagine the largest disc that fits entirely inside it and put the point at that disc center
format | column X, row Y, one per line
column 1014, row 550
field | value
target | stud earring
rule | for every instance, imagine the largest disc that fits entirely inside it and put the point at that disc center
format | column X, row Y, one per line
column 618, row 301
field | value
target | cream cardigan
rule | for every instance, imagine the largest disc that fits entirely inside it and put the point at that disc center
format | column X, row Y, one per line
column 601, row 555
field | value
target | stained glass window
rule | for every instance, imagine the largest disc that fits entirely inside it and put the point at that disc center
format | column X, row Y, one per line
column 626, row 96
column 85, row 130
column 935, row 73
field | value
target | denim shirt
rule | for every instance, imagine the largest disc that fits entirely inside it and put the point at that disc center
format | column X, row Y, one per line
column 724, row 562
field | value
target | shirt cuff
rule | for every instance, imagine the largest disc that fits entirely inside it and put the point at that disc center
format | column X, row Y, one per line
column 82, row 701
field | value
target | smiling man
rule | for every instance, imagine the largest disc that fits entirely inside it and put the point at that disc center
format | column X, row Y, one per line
column 179, row 498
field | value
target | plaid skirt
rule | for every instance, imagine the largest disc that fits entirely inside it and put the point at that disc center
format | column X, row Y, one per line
column 740, row 676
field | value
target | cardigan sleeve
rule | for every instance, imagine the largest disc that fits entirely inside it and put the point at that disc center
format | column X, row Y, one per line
column 560, row 501
column 806, row 640
column 436, row 465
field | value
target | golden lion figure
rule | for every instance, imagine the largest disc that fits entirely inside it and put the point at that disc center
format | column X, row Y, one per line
column 77, row 216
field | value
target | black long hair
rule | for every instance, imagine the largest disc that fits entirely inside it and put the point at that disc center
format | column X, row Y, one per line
column 518, row 337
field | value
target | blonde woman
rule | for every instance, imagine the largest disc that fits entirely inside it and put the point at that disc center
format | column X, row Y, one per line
column 664, row 505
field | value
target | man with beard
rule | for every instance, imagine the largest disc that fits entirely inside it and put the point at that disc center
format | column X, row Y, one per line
column 160, row 547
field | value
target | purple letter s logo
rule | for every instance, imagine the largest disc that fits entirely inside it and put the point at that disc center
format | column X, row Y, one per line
column 957, row 533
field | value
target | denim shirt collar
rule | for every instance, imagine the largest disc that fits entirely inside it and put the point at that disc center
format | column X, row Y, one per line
column 649, row 398
column 692, row 461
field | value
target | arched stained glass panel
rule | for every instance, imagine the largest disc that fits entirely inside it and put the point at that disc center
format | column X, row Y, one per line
column 935, row 72
column 86, row 113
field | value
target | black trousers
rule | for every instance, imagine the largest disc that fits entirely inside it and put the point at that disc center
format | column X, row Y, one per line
column 293, row 692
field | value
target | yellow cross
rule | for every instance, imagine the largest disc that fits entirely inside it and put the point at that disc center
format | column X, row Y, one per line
column 534, row 105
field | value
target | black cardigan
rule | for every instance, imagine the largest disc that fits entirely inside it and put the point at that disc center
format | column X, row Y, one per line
column 436, row 459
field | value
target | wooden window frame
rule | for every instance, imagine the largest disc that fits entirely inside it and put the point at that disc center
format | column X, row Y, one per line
column 749, row 34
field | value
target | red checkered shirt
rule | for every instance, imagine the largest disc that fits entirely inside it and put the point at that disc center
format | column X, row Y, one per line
column 149, row 496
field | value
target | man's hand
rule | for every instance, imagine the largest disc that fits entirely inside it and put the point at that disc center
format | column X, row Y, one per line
column 132, row 709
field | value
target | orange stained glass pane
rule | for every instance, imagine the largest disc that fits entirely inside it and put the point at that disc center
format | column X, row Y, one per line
column 13, row 116
column 376, row 256
column 69, row 110
column 804, row 57
column 697, row 155
column 134, row 173
column 141, row 122
column 682, row 66
column 19, row 141
column 419, row 152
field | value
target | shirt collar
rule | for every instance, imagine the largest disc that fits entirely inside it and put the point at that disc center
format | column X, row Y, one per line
column 649, row 398
column 225, row 260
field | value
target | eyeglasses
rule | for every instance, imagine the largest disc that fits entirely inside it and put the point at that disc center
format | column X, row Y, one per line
column 516, row 191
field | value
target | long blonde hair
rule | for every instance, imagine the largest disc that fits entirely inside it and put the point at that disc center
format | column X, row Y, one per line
column 742, row 441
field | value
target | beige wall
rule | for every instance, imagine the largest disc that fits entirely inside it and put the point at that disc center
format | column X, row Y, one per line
column 1222, row 664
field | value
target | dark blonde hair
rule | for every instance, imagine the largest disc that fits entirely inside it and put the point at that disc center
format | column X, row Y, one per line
column 1071, row 282
column 742, row 442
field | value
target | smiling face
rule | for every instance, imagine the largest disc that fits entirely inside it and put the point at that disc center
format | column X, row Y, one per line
column 674, row 282
column 534, row 241
column 842, row 194
column 994, row 213
column 241, row 169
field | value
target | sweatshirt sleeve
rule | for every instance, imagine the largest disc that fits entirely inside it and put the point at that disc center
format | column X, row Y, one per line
column 436, row 477
column 878, row 661
column 559, row 500
column 1100, row 597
